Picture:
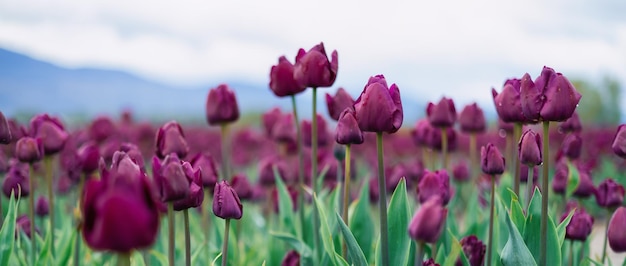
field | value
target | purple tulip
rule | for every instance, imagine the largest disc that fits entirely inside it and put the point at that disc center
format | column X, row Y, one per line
column 101, row 129
column 221, row 106
column 171, row 139
column 292, row 258
column 529, row 148
column 208, row 171
column 196, row 194
column 313, row 69
column 50, row 130
column 17, row 180
column 42, row 208
column 552, row 97
column 619, row 141
column 491, row 160
column 434, row 184
column 442, row 114
column 226, row 203
column 579, row 226
column 284, row 130
column 571, row 125
column 5, row 130
column 4, row 162
column 120, row 211
column 282, row 81
column 22, row 223
column 585, row 187
column 348, row 131
column 615, row 232
column 266, row 171
column 242, row 186
column 88, row 157
column 421, row 132
column 269, row 119
column 430, row 262
column 609, row 194
column 134, row 153
column 461, row 172
column 29, row 150
column 379, row 108
column 508, row 103
column 322, row 132
column 572, row 146
column 124, row 164
column 429, row 221
column 472, row 119
column 474, row 250
column 170, row 178
column 559, row 182
column 338, row 103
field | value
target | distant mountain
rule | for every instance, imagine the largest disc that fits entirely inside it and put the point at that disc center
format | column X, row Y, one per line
column 29, row 86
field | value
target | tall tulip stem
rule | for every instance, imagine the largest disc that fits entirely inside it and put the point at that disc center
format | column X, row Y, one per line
column 123, row 259
column 491, row 213
column 225, row 243
column 346, row 194
column 225, row 152
column 419, row 254
column 606, row 235
column 316, row 218
column 81, row 187
column 517, row 133
column 50, row 178
column 187, row 238
column 444, row 148
column 31, row 214
column 545, row 191
column 382, row 201
column 171, row 239
column 300, row 164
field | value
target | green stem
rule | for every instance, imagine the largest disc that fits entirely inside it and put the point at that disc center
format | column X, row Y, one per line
column 316, row 220
column 187, row 238
column 300, row 164
column 419, row 254
column 491, row 211
column 444, row 148
column 545, row 191
column 382, row 201
column 472, row 153
column 606, row 235
column 346, row 195
column 225, row 152
column 571, row 252
column 206, row 217
column 50, row 178
column 517, row 133
column 31, row 214
column 123, row 259
column 530, row 187
column 81, row 186
column 225, row 243
column 171, row 239
column 510, row 150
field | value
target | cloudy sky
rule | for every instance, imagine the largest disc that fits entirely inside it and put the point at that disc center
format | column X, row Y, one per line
column 458, row 49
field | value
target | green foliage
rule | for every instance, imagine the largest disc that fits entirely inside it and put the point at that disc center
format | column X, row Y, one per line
column 600, row 102
column 7, row 233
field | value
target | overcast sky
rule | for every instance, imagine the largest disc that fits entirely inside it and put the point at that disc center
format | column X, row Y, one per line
column 458, row 49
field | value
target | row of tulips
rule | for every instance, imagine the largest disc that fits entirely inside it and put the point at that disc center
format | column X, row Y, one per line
column 120, row 200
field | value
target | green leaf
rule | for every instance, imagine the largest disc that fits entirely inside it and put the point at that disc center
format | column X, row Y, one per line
column 455, row 251
column 163, row 260
column 45, row 255
column 302, row 248
column 354, row 251
column 214, row 260
column 285, row 205
column 137, row 259
column 573, row 178
column 196, row 253
column 7, row 233
column 515, row 252
column 560, row 230
column 361, row 222
column 532, row 233
column 517, row 214
column 398, row 218
column 67, row 249
column 327, row 238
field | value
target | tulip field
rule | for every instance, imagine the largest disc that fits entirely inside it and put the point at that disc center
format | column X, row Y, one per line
column 353, row 184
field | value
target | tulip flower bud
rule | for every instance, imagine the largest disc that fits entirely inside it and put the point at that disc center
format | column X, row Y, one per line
column 580, row 226
column 442, row 114
column 434, row 184
column 16, row 180
column 552, row 97
column 474, row 250
column 221, row 106
column 491, row 160
column 29, row 150
column 196, row 194
column 348, row 131
column 42, row 208
column 338, row 103
column 284, row 130
column 313, row 69
column 226, row 204
column 460, row 172
column 266, row 171
column 559, row 182
column 379, row 108
column 170, row 178
column 616, row 233
column 530, row 148
column 430, row 262
column 508, row 104
column 269, row 119
column 572, row 146
column 51, row 132
column 292, row 258
column 242, row 186
column 322, row 132
column 5, row 130
column 571, row 125
column 619, row 142
column 171, row 139
column 429, row 221
column 102, row 128
column 134, row 153
column 421, row 132
column 22, row 223
column 585, row 185
column 472, row 119
column 206, row 164
column 609, row 194
column 88, row 157
column 282, row 81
